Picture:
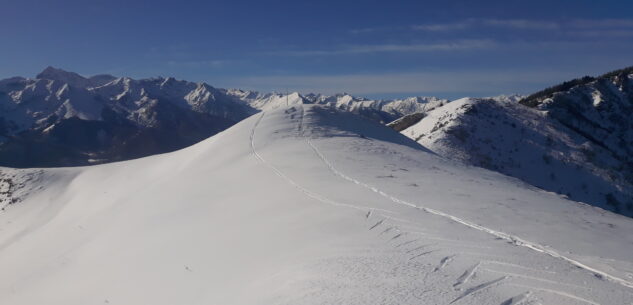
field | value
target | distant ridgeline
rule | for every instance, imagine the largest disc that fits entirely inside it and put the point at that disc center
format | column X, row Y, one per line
column 533, row 99
column 575, row 139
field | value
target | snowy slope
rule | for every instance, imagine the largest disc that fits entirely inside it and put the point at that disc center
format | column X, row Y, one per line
column 576, row 142
column 304, row 205
column 410, row 118
column 383, row 111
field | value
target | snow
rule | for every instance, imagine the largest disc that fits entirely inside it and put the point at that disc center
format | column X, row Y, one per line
column 304, row 205
column 597, row 98
column 274, row 101
column 528, row 144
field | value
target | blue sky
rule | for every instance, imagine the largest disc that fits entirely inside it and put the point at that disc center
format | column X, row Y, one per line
column 369, row 48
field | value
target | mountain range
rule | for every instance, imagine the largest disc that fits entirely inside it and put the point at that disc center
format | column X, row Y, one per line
column 574, row 139
column 61, row 118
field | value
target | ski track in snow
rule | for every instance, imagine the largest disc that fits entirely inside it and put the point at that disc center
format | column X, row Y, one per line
column 556, row 292
column 422, row 254
column 519, row 299
column 406, row 243
column 522, row 299
column 511, row 238
column 479, row 288
column 418, row 248
column 443, row 263
column 376, row 224
column 533, row 278
column 467, row 275
column 292, row 182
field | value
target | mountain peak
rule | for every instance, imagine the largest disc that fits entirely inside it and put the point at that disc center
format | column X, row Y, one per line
column 73, row 79
column 57, row 74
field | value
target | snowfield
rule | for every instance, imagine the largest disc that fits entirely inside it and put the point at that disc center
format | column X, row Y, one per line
column 303, row 205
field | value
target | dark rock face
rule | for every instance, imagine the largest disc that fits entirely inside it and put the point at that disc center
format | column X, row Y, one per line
column 406, row 121
column 600, row 110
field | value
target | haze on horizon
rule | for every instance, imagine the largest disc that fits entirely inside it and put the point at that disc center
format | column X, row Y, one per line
column 373, row 49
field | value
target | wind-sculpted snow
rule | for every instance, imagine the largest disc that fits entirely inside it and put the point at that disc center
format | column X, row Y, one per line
column 294, row 206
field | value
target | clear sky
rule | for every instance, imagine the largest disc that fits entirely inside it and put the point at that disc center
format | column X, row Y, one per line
column 369, row 48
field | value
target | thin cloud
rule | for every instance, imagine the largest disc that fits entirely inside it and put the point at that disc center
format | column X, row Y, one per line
column 525, row 24
column 602, row 23
column 397, row 83
column 439, row 27
column 604, row 33
column 522, row 24
column 383, row 48
column 364, row 30
column 199, row 63
column 472, row 23
column 370, row 30
column 569, row 29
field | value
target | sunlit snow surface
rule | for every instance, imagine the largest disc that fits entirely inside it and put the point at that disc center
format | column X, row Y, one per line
column 304, row 205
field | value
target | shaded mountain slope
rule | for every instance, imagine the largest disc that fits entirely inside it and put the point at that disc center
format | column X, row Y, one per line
column 575, row 139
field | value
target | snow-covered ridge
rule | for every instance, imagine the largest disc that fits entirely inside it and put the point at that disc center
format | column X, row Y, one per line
column 383, row 111
column 27, row 102
column 577, row 142
column 359, row 214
